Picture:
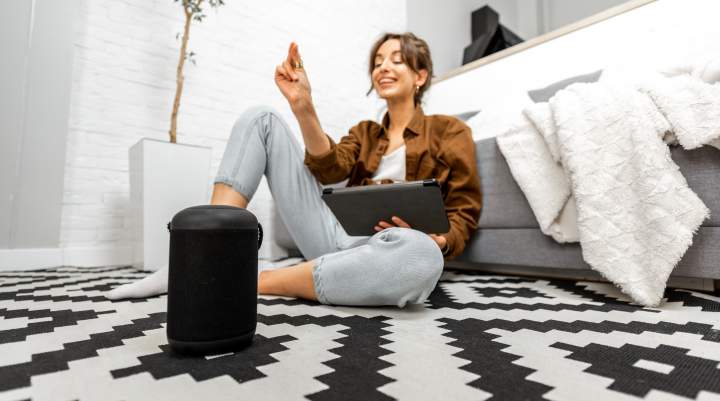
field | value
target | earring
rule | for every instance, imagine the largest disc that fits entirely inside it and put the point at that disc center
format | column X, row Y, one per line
column 417, row 89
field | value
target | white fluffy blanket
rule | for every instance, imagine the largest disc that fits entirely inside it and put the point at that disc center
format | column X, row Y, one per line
column 595, row 166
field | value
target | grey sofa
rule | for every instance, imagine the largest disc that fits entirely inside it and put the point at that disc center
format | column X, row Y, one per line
column 509, row 234
column 509, row 239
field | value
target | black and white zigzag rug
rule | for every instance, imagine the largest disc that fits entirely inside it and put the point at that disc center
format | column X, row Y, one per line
column 479, row 337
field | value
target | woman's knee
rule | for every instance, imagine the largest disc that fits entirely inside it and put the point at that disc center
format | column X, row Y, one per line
column 409, row 242
column 251, row 116
column 417, row 263
column 396, row 266
column 256, row 111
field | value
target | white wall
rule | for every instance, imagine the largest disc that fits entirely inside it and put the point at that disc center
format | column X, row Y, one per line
column 555, row 14
column 36, row 38
column 658, row 34
column 14, row 34
column 124, row 80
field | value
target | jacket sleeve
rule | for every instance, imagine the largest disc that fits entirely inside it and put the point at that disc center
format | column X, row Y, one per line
column 336, row 164
column 463, row 199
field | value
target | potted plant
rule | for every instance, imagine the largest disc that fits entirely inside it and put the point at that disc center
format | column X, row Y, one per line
column 166, row 177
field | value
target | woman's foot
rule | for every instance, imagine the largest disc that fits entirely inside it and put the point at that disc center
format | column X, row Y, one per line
column 154, row 284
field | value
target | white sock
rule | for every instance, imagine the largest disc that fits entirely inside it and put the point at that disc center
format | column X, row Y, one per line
column 154, row 284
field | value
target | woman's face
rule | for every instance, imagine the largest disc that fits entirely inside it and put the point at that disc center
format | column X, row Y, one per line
column 392, row 78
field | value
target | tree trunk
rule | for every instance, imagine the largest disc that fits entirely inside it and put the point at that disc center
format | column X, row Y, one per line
column 179, row 77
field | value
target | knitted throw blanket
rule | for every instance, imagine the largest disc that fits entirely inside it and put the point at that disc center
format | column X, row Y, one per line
column 595, row 166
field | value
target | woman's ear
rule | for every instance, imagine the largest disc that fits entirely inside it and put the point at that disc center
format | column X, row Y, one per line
column 422, row 78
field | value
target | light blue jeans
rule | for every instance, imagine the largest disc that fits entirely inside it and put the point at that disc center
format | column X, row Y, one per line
column 393, row 267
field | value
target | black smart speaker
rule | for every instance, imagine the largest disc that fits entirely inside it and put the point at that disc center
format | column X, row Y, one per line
column 212, row 282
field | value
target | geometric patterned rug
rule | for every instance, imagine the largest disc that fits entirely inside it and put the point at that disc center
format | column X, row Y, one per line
column 478, row 337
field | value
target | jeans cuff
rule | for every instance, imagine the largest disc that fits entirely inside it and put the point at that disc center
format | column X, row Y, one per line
column 239, row 188
column 318, row 281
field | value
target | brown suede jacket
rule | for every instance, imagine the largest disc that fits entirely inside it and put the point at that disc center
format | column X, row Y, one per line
column 436, row 146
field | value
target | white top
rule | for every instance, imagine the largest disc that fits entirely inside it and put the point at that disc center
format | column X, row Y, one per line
column 392, row 166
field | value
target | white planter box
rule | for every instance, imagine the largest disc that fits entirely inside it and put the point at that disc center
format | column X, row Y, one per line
column 164, row 179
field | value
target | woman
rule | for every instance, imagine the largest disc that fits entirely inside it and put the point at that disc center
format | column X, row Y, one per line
column 397, row 265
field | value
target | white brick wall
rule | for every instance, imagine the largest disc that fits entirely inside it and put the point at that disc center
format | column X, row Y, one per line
column 124, row 81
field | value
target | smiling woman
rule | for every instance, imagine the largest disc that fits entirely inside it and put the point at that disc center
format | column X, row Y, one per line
column 397, row 265
column 405, row 52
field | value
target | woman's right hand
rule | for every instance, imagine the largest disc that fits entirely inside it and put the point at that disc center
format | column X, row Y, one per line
column 293, row 82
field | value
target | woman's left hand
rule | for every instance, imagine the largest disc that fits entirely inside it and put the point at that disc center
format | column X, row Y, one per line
column 440, row 240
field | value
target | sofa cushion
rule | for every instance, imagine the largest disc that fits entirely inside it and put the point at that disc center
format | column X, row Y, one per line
column 701, row 168
column 504, row 204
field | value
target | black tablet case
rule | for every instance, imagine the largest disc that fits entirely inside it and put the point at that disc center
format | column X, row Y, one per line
column 359, row 209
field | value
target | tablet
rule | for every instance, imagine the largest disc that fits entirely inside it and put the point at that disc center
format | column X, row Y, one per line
column 360, row 208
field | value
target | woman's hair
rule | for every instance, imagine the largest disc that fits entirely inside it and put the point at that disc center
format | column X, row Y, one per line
column 415, row 54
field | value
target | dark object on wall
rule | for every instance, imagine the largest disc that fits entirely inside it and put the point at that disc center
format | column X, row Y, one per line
column 212, row 282
column 488, row 35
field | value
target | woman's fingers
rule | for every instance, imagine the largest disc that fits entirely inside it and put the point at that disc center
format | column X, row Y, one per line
column 290, row 71
column 285, row 70
column 400, row 222
column 385, row 224
column 293, row 57
column 281, row 71
column 287, row 67
column 295, row 53
column 289, row 58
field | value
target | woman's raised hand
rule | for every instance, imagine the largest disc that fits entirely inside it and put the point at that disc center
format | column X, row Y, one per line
column 292, row 80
